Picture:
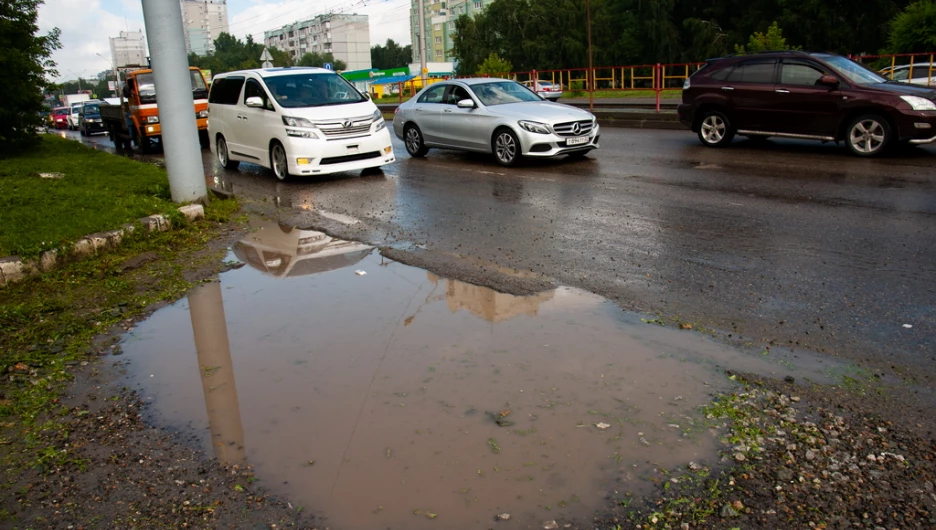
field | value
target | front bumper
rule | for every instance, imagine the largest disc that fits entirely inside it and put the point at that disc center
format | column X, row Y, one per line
column 323, row 156
column 537, row 145
column 917, row 127
column 94, row 127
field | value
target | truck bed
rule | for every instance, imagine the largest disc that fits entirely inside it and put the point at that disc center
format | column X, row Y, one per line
column 111, row 112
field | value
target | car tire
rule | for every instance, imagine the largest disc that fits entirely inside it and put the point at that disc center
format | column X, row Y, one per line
column 715, row 129
column 506, row 147
column 868, row 135
column 224, row 157
column 144, row 143
column 278, row 161
column 82, row 131
column 203, row 139
column 413, row 139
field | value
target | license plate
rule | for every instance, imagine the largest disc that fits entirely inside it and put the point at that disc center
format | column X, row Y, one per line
column 577, row 141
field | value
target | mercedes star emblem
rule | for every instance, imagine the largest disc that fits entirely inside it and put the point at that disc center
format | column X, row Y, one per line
column 576, row 128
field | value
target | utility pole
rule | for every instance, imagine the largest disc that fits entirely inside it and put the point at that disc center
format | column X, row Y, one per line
column 179, row 132
column 422, row 45
column 591, row 71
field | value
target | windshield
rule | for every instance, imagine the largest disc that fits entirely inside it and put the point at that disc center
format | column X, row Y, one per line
column 311, row 90
column 92, row 109
column 855, row 72
column 147, row 87
column 61, row 112
column 502, row 92
column 75, row 108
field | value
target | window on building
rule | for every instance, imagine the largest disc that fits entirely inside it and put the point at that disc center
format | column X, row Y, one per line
column 437, row 27
column 438, row 40
column 477, row 4
column 438, row 53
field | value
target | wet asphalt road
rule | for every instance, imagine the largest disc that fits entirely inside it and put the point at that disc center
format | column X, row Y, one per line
column 786, row 243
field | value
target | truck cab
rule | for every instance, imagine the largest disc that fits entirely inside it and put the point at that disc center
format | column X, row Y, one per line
column 141, row 113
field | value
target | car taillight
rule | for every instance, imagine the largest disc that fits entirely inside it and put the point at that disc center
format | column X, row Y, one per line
column 545, row 89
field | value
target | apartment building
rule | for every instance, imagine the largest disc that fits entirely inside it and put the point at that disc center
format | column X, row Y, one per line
column 204, row 21
column 440, row 19
column 129, row 49
column 345, row 36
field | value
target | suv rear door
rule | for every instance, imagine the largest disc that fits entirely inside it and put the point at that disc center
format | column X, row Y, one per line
column 749, row 88
column 803, row 104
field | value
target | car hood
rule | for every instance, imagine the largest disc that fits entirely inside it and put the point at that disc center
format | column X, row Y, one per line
column 904, row 89
column 332, row 112
column 542, row 111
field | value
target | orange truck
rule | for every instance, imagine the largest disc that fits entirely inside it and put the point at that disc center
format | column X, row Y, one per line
column 135, row 121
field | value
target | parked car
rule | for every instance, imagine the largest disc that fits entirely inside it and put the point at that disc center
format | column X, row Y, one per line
column 296, row 121
column 921, row 74
column 496, row 116
column 60, row 117
column 817, row 96
column 89, row 119
column 544, row 89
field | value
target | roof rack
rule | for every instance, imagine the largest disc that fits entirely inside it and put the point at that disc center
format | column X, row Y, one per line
column 791, row 52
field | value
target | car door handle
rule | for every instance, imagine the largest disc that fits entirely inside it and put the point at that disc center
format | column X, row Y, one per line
column 782, row 91
column 447, row 110
column 727, row 88
column 418, row 110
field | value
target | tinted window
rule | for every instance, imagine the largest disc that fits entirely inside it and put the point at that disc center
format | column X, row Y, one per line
column 253, row 89
column 90, row 109
column 312, row 90
column 799, row 74
column 922, row 71
column 722, row 74
column 226, row 91
column 754, row 71
column 433, row 94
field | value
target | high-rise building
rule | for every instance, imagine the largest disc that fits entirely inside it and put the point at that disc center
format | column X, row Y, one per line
column 129, row 49
column 204, row 21
column 345, row 36
column 440, row 19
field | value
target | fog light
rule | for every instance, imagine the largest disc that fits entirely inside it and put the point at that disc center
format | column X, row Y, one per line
column 302, row 161
column 387, row 149
column 920, row 125
column 150, row 129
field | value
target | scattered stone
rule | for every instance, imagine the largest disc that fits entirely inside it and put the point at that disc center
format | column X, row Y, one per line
column 694, row 466
column 794, row 399
column 789, row 379
column 739, row 457
column 810, row 455
column 728, row 511
column 551, row 525
column 737, row 505
column 503, row 517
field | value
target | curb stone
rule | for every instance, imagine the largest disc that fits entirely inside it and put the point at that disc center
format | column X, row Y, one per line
column 13, row 269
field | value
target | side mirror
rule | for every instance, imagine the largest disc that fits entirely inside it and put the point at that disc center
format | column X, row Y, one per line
column 366, row 95
column 255, row 102
column 829, row 80
column 466, row 104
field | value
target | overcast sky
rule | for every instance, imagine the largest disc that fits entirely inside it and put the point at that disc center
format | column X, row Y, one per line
column 86, row 25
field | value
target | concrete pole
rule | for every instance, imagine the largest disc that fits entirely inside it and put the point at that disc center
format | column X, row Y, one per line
column 163, row 20
column 206, row 308
column 591, row 67
column 422, row 45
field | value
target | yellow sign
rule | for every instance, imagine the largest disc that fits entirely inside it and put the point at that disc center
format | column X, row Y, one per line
column 425, row 71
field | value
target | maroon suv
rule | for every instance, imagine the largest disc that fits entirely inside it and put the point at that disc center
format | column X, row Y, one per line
column 816, row 96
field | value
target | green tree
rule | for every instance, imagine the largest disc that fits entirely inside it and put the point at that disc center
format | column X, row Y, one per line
column 25, row 58
column 494, row 65
column 914, row 29
column 391, row 56
column 762, row 42
column 319, row 59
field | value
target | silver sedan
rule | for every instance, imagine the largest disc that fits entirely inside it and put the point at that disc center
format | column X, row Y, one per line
column 496, row 116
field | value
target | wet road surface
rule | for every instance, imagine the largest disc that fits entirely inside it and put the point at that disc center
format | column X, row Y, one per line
column 786, row 243
column 384, row 396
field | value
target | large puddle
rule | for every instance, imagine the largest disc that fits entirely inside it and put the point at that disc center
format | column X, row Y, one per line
column 399, row 399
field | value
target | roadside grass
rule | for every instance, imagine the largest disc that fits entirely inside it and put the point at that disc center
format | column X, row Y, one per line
column 99, row 192
column 48, row 325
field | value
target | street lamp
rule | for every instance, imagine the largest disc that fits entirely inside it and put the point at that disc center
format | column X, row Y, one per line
column 79, row 78
column 116, row 75
column 591, row 71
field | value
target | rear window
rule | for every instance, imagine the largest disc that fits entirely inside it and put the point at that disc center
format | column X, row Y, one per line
column 226, row 90
column 753, row 71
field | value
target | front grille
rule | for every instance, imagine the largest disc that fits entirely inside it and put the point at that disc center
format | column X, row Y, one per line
column 359, row 126
column 349, row 158
column 566, row 128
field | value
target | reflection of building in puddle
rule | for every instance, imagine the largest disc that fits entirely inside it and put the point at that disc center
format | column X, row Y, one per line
column 217, row 372
column 487, row 303
column 284, row 251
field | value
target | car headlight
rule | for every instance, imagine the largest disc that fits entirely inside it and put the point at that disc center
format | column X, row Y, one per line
column 534, row 126
column 918, row 103
column 152, row 119
column 297, row 122
column 377, row 115
column 203, row 113
column 686, row 84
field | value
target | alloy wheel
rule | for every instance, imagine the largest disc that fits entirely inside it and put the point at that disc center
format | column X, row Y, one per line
column 505, row 147
column 280, row 167
column 867, row 136
column 714, row 128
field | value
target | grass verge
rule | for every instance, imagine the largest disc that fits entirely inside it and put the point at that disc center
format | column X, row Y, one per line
column 99, row 192
column 49, row 324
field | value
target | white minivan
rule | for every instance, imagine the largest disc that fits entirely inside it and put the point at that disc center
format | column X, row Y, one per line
column 295, row 121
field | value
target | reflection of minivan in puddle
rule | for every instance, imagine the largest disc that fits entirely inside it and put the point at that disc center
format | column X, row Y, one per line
column 283, row 251
column 295, row 121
